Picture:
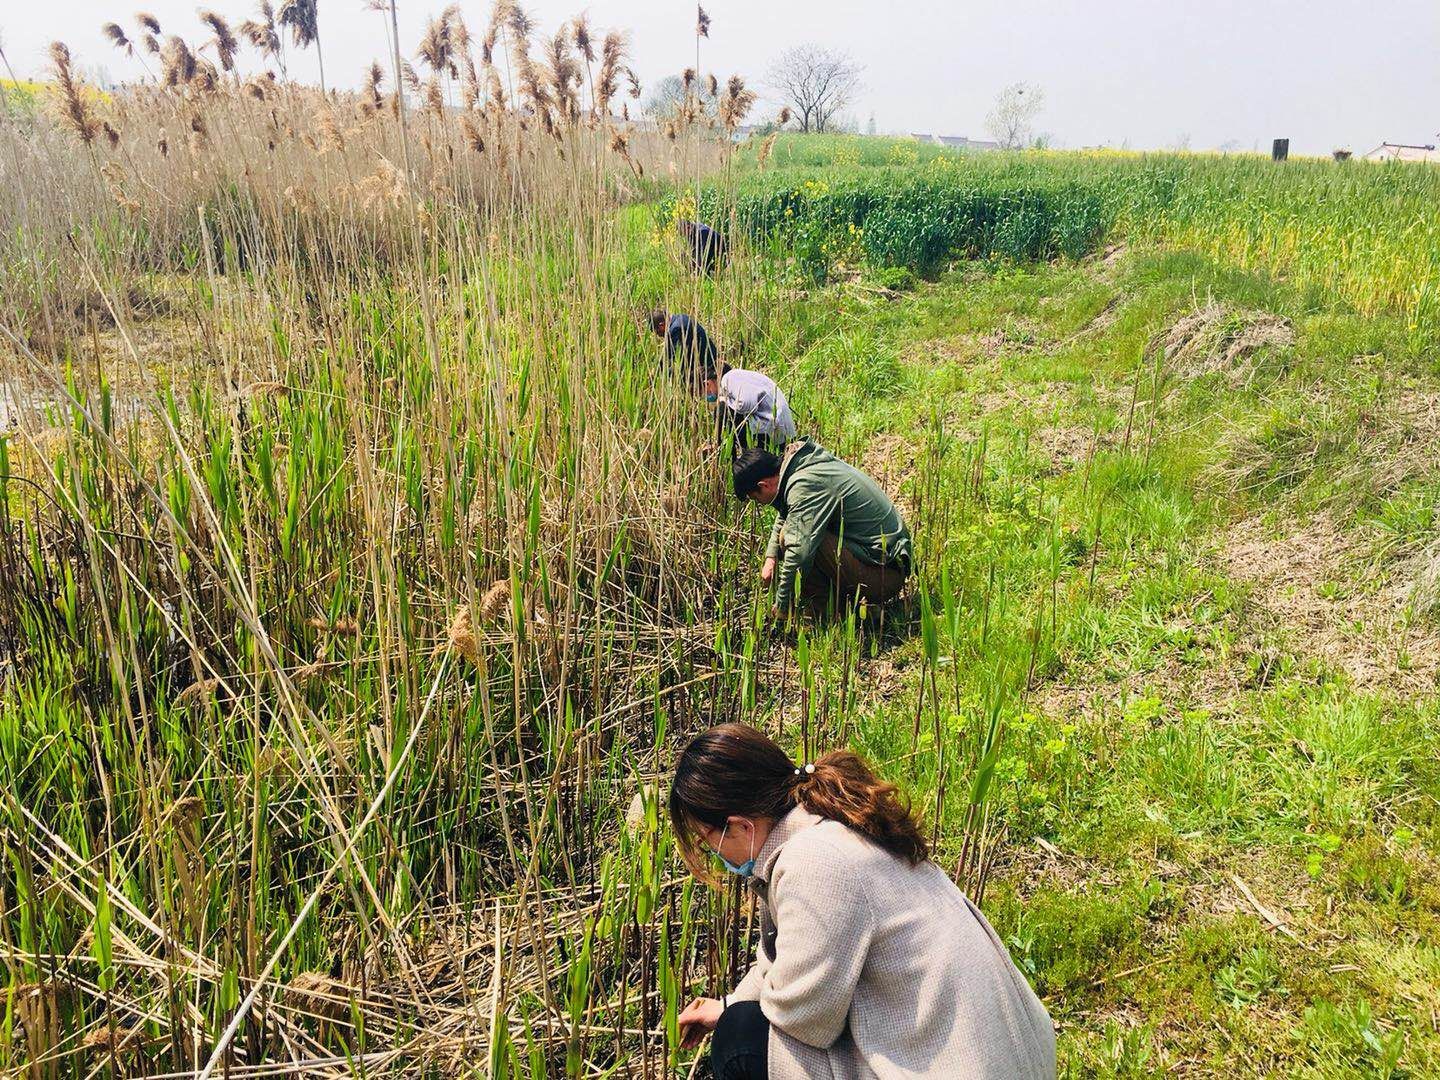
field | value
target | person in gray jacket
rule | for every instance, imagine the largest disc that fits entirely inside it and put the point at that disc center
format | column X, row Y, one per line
column 872, row 964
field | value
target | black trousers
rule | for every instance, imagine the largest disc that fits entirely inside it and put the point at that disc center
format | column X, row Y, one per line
column 740, row 1047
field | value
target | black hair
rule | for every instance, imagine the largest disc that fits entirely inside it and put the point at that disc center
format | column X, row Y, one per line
column 658, row 320
column 751, row 466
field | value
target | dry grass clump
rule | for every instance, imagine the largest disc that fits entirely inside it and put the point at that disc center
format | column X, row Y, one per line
column 1360, row 628
column 1218, row 339
column 495, row 603
column 316, row 994
column 1424, row 576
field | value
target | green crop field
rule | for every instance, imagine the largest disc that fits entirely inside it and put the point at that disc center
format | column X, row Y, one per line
column 363, row 573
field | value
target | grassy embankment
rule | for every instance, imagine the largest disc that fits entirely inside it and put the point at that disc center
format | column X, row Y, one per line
column 1218, row 786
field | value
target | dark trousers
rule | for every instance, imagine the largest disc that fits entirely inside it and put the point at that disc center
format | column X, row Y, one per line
column 740, row 1047
column 838, row 577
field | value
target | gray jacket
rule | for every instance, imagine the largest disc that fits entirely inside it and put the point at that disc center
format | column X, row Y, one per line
column 872, row 969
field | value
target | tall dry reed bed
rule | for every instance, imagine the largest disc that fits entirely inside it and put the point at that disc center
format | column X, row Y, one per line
column 336, row 650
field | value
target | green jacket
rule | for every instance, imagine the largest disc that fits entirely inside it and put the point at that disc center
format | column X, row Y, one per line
column 819, row 493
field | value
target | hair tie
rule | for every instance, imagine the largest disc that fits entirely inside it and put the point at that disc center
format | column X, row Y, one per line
column 809, row 769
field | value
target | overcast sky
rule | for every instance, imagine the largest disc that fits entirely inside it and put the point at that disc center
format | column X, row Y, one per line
column 1142, row 73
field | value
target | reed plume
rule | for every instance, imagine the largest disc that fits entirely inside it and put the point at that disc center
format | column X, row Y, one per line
column 151, row 27
column 374, row 103
column 562, row 73
column 612, row 56
column 702, row 22
column 225, row 42
column 434, row 49
column 77, row 111
column 584, row 44
column 461, row 48
column 331, row 130
column 117, row 37
column 303, row 19
column 178, row 62
column 207, row 76
column 262, row 34
column 494, row 90
column 735, row 104
column 763, row 154
column 521, row 25
column 784, row 117
column 712, row 86
column 470, row 127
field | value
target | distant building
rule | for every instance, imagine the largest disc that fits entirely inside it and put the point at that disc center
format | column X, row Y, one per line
column 922, row 138
column 962, row 143
column 1388, row 151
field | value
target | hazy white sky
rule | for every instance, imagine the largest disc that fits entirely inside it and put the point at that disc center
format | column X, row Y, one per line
column 1325, row 73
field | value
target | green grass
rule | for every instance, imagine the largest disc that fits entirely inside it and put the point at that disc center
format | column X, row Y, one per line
column 1350, row 229
column 1165, row 746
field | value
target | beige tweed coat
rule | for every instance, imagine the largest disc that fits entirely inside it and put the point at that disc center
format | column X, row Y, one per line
column 872, row 969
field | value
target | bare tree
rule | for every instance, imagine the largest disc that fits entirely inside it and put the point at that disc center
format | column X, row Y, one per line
column 816, row 83
column 1015, row 110
column 667, row 98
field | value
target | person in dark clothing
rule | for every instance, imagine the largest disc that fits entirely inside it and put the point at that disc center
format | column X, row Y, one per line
column 686, row 342
column 704, row 245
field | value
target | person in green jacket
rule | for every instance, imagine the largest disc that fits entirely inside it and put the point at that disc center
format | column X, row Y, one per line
column 835, row 529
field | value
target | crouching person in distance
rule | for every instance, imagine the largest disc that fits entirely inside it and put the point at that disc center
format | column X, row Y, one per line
column 704, row 245
column 872, row 963
column 686, row 342
column 835, row 528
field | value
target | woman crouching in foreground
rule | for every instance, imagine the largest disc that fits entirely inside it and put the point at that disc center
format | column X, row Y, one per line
column 871, row 964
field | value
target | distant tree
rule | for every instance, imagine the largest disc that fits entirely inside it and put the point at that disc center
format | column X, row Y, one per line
column 667, row 98
column 870, row 125
column 1010, row 121
column 816, row 83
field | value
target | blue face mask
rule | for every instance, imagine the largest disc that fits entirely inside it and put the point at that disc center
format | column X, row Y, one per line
column 745, row 869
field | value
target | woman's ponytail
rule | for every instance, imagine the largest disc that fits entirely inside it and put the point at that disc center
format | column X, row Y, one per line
column 732, row 769
column 843, row 788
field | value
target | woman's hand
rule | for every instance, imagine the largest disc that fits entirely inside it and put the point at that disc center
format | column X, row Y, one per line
column 698, row 1020
column 767, row 571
